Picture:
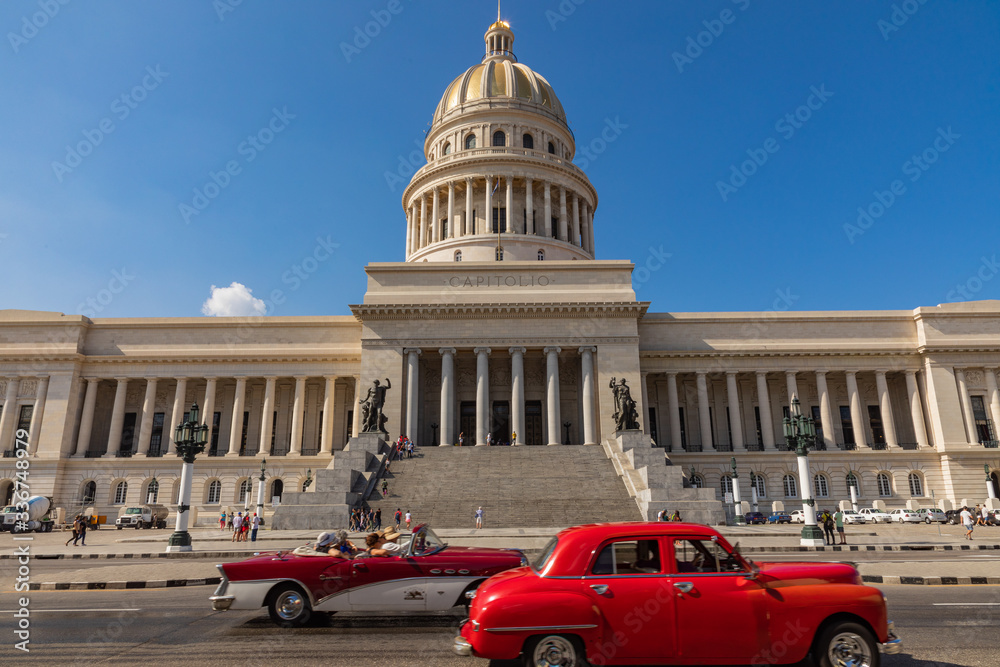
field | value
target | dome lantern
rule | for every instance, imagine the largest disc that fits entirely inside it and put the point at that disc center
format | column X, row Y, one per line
column 499, row 41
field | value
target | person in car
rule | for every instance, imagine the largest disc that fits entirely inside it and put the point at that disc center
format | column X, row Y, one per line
column 333, row 544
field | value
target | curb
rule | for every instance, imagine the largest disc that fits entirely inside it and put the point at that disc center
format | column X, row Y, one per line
column 873, row 547
column 930, row 581
column 146, row 556
column 113, row 585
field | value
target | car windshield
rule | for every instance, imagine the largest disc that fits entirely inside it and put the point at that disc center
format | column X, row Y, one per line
column 10, row 509
column 133, row 510
column 424, row 542
column 542, row 559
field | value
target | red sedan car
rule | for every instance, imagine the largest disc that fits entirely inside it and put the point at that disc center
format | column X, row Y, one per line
column 427, row 576
column 673, row 593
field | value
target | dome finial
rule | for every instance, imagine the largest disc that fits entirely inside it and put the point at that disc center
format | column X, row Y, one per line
column 498, row 11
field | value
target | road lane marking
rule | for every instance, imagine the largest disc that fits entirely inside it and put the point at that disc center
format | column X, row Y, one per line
column 38, row 611
column 965, row 604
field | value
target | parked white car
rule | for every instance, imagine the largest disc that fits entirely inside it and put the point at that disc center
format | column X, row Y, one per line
column 850, row 516
column 932, row 514
column 905, row 516
column 876, row 515
column 798, row 516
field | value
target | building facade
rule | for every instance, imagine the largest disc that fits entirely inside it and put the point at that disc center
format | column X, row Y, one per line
column 501, row 322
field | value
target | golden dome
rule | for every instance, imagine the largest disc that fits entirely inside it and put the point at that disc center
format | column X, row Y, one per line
column 499, row 78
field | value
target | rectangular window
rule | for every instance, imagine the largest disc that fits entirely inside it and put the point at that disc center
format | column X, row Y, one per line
column 555, row 227
column 243, row 434
column 128, row 432
column 499, row 219
column 350, row 424
column 274, row 428
column 680, row 418
column 631, row 557
column 819, row 425
column 696, row 555
column 156, row 436
column 652, row 427
column 875, row 422
column 24, row 417
column 985, row 428
column 847, row 425
column 756, row 416
column 216, row 420
column 444, row 228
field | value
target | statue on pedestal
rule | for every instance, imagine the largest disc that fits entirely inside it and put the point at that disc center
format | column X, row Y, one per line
column 626, row 417
column 372, row 419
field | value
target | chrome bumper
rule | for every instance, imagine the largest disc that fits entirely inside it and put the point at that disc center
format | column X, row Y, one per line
column 461, row 646
column 894, row 644
column 221, row 602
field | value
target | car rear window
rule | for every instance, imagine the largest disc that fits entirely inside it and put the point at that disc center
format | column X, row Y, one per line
column 542, row 559
column 628, row 557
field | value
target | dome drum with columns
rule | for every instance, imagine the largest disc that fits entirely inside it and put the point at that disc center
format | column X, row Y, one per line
column 499, row 164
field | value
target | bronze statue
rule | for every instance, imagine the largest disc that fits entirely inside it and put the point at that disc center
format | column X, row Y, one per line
column 372, row 419
column 626, row 417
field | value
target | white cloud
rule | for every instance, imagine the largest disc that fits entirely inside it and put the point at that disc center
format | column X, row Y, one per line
column 237, row 300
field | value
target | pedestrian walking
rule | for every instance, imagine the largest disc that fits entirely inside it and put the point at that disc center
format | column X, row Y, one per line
column 408, row 518
column 409, row 449
column 399, row 518
column 838, row 519
column 489, row 439
column 479, row 517
column 513, row 437
column 254, row 525
column 76, row 531
column 385, row 488
column 461, row 438
column 82, row 531
column 676, row 516
column 378, row 519
column 222, row 521
column 966, row 516
column 237, row 524
column 229, row 521
column 827, row 519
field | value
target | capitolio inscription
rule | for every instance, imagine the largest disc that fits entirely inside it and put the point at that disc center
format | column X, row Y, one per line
column 499, row 281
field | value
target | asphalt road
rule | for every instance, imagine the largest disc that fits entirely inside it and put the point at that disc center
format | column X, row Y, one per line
column 955, row 625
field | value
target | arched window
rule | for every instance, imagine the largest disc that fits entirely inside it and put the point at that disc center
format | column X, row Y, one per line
column 852, row 480
column 447, row 149
column 759, row 484
column 458, row 255
column 277, row 487
column 697, row 481
column 884, row 487
column 88, row 493
column 916, row 485
column 152, row 491
column 552, row 148
column 214, row 493
column 499, row 138
column 470, row 141
column 121, row 492
column 246, row 486
column 541, row 255
column 726, row 484
column 821, row 489
column 790, row 487
column 528, row 141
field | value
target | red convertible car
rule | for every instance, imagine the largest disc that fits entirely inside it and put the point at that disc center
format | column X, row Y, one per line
column 673, row 593
column 427, row 576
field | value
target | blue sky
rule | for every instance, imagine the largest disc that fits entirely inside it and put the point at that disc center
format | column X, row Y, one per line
column 114, row 114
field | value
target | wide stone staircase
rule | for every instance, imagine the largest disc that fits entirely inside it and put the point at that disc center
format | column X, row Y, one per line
column 516, row 486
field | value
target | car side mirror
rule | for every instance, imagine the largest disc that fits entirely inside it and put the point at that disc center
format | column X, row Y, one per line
column 754, row 572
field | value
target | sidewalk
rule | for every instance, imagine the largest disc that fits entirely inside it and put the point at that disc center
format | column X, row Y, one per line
column 55, row 565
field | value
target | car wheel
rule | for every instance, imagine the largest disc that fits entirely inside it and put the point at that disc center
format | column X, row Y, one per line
column 847, row 644
column 552, row 650
column 288, row 606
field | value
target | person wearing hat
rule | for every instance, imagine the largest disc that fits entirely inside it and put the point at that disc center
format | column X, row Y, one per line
column 383, row 543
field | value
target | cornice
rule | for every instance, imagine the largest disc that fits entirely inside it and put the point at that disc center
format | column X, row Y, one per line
column 511, row 341
column 480, row 311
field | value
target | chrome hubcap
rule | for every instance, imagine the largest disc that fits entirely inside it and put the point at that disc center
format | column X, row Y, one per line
column 849, row 650
column 554, row 651
column 289, row 605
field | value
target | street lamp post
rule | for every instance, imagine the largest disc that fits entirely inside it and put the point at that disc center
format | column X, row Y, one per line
column 434, row 432
column 800, row 432
column 309, row 479
column 738, row 518
column 260, row 488
column 190, row 440
column 990, row 491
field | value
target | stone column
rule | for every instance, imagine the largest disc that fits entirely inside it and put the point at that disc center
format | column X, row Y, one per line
column 963, row 395
column 675, row 412
column 993, row 394
column 825, row 410
column 885, row 407
column 529, row 207
column 208, row 411
column 590, row 231
column 735, row 420
column 509, row 204
column 412, row 392
column 326, row 437
column 587, row 372
column 146, row 423
column 547, row 223
column 451, row 210
column 517, row 393
column 792, row 387
column 34, row 430
column 236, row 425
column 644, row 420
column 447, row 396
column 267, row 417
column 298, row 416
column 435, row 217
column 117, row 419
column 87, row 418
column 857, row 414
column 470, row 223
column 704, row 416
column 563, row 222
column 552, row 392
column 8, row 418
column 764, row 403
column 422, row 235
column 916, row 411
column 482, row 394
column 576, row 221
column 488, row 213
column 409, row 231
column 177, row 415
column 356, row 414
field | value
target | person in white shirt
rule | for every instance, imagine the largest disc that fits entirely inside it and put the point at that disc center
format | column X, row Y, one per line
column 383, row 543
column 408, row 518
column 237, row 526
column 966, row 516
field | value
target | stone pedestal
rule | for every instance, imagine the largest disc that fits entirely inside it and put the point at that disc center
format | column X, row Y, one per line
column 347, row 480
column 657, row 486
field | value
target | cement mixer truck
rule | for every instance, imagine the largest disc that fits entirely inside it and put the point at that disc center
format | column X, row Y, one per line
column 35, row 518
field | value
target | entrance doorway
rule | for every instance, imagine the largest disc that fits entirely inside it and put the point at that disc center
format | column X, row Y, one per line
column 532, row 423
column 500, row 426
column 467, row 422
column 996, row 484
